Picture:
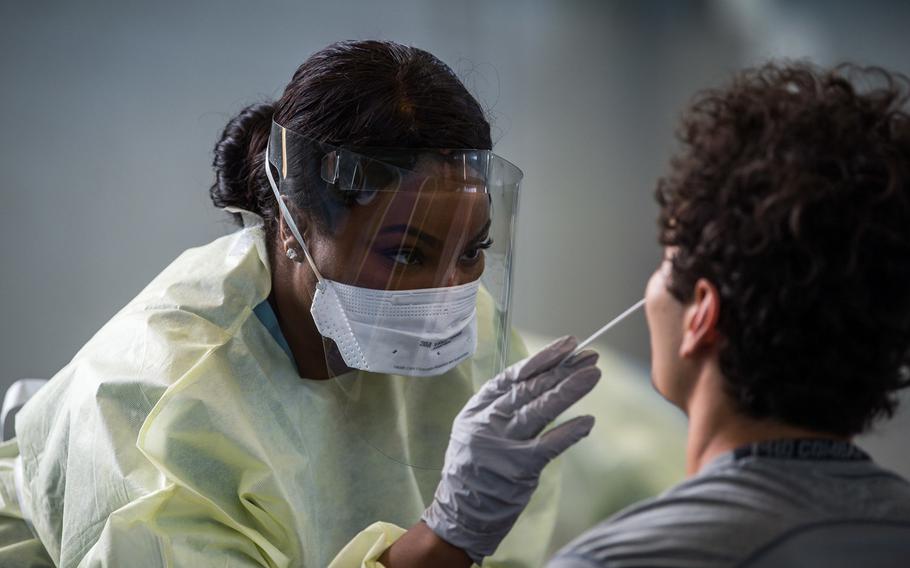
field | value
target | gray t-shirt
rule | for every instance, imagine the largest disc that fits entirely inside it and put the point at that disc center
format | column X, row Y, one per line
column 740, row 502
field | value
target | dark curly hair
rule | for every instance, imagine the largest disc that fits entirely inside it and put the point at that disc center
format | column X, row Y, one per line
column 791, row 194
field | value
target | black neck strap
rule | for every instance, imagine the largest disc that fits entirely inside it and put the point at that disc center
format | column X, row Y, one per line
column 808, row 449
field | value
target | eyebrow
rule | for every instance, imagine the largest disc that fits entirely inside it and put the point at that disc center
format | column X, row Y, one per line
column 412, row 231
column 429, row 239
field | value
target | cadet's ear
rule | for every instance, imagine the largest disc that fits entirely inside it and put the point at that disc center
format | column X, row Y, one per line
column 700, row 320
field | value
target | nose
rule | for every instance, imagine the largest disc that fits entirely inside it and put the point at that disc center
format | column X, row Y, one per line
column 454, row 278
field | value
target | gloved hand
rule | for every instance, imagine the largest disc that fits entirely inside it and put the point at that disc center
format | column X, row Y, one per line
column 495, row 456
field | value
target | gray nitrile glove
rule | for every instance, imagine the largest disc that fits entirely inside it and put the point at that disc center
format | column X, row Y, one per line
column 495, row 456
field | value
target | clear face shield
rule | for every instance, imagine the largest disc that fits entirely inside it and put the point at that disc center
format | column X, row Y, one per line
column 412, row 249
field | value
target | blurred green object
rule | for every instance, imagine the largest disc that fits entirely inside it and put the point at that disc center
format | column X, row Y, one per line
column 636, row 450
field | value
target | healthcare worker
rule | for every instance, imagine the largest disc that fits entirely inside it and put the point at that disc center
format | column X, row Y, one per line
column 272, row 396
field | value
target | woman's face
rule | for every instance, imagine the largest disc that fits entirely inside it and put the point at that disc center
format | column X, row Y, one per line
column 406, row 240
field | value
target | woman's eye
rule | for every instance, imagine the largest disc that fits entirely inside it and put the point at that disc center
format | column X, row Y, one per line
column 472, row 254
column 406, row 257
column 475, row 253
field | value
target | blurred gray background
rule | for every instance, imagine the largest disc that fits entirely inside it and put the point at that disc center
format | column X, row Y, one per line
column 110, row 112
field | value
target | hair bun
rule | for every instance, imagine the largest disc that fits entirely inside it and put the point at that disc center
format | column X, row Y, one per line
column 243, row 138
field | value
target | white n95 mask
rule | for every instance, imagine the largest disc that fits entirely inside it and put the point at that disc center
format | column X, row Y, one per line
column 404, row 332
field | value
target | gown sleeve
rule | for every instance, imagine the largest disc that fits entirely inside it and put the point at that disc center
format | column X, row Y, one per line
column 18, row 545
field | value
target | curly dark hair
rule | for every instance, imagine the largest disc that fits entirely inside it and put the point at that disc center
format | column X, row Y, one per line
column 791, row 194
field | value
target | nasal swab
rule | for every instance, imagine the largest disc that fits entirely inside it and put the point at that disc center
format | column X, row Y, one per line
column 607, row 327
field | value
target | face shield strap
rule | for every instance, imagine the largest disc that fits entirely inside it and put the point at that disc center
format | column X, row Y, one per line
column 285, row 212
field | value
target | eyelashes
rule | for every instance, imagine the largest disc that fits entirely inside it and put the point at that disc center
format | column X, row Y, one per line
column 415, row 257
column 474, row 254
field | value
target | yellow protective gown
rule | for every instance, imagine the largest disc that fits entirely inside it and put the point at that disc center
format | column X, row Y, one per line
column 182, row 435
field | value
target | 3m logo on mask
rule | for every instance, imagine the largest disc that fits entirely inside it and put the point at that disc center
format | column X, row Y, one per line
column 438, row 344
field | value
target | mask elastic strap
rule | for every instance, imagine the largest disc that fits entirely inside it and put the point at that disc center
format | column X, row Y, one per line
column 287, row 214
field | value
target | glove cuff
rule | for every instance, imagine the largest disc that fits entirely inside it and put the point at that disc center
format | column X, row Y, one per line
column 476, row 545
